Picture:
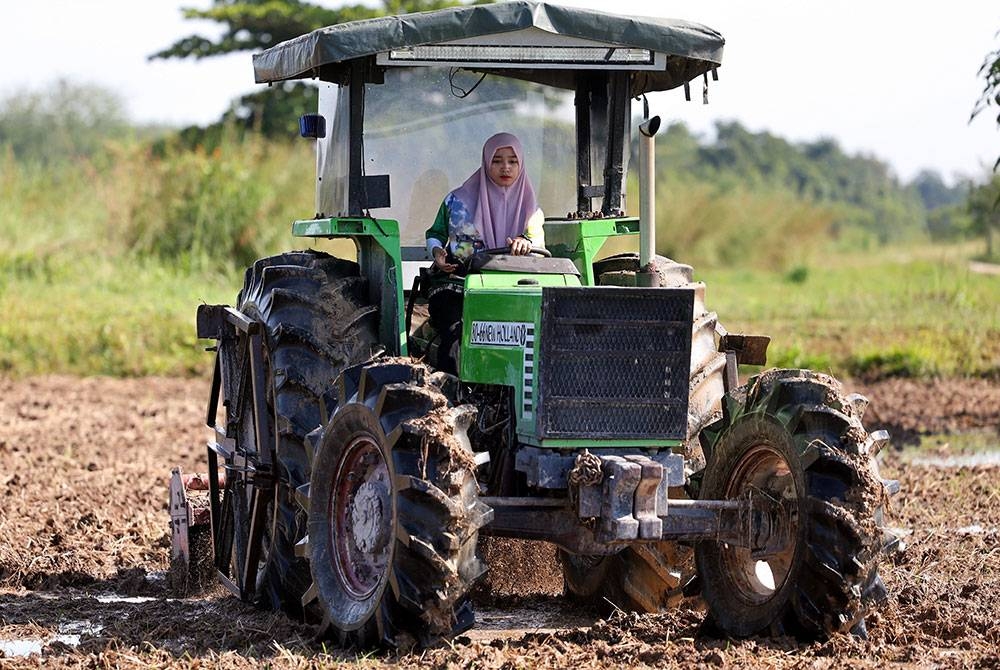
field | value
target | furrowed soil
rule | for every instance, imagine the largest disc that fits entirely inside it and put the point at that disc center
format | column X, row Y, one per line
column 84, row 545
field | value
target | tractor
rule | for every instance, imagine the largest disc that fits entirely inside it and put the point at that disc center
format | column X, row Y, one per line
column 597, row 403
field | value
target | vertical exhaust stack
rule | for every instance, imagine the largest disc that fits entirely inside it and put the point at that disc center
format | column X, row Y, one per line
column 647, row 200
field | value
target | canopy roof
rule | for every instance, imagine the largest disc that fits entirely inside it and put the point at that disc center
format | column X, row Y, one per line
column 691, row 49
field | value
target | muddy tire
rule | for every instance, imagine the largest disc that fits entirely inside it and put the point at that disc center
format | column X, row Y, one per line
column 649, row 578
column 792, row 436
column 394, row 514
column 318, row 321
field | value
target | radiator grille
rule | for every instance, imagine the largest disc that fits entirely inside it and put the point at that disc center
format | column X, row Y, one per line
column 614, row 363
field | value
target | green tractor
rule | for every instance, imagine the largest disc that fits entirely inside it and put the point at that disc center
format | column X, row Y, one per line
column 596, row 405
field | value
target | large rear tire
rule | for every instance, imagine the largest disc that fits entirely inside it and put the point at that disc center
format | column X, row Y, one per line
column 317, row 321
column 791, row 435
column 394, row 515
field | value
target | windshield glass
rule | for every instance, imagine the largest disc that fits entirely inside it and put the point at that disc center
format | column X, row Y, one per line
column 425, row 127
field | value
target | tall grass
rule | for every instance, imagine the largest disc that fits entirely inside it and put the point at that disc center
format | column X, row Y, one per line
column 188, row 208
column 712, row 227
column 726, row 224
column 233, row 204
column 103, row 261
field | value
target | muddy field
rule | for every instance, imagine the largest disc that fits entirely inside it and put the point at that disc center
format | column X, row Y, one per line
column 84, row 465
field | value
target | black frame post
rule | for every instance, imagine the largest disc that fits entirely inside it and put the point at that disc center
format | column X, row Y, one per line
column 619, row 105
column 584, row 88
column 355, row 174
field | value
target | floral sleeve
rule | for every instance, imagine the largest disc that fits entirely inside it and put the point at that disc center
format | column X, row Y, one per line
column 437, row 234
column 534, row 230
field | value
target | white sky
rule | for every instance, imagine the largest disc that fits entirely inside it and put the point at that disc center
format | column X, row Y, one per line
column 892, row 78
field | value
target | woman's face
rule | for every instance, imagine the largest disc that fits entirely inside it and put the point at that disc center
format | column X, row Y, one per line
column 504, row 168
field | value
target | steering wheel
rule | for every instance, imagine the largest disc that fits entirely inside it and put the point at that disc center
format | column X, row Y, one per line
column 537, row 251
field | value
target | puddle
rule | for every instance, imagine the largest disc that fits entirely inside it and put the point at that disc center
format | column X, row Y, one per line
column 977, row 459
column 69, row 634
column 125, row 599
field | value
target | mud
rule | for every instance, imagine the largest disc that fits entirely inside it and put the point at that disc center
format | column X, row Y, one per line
column 908, row 409
column 84, row 467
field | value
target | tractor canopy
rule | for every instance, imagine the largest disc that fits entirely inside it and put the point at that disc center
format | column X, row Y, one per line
column 540, row 41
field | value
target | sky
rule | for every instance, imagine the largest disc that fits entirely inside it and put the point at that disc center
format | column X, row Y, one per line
column 893, row 79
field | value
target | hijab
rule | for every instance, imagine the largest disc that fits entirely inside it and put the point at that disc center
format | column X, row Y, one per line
column 499, row 211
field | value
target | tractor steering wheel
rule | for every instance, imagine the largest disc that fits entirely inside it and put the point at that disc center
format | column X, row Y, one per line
column 535, row 251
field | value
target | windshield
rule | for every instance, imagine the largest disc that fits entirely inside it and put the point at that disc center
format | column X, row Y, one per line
column 425, row 127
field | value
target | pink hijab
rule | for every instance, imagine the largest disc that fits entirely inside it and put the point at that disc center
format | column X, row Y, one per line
column 500, row 211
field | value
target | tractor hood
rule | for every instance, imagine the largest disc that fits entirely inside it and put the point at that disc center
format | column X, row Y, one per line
column 690, row 49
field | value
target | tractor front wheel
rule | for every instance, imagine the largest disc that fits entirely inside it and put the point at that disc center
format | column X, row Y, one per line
column 793, row 440
column 393, row 512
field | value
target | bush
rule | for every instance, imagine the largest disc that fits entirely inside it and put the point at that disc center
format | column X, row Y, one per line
column 710, row 225
column 201, row 209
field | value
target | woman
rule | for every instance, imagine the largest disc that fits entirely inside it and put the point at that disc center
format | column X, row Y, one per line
column 494, row 208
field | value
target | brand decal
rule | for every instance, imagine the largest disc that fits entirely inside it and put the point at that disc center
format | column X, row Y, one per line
column 500, row 333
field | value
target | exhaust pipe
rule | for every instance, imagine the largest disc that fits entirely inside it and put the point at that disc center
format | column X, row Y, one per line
column 647, row 199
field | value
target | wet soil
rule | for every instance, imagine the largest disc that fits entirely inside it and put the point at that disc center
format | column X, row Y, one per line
column 84, row 466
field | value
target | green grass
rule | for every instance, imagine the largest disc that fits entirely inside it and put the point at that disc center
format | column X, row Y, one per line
column 861, row 315
column 90, row 316
column 960, row 443
column 916, row 312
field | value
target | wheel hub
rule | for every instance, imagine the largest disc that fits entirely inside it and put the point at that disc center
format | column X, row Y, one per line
column 764, row 476
column 370, row 506
column 361, row 524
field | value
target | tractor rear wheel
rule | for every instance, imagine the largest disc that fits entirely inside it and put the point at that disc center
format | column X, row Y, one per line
column 792, row 437
column 317, row 321
column 393, row 508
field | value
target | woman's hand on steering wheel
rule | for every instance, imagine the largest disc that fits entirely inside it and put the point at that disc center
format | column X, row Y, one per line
column 441, row 261
column 519, row 246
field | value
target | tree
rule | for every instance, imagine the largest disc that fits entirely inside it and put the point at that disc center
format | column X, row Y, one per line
column 990, row 72
column 985, row 214
column 255, row 25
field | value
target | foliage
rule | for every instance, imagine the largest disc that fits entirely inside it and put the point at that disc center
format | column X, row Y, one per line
column 859, row 196
column 700, row 224
column 195, row 209
column 984, row 211
column 934, row 193
column 255, row 25
column 61, row 121
column 103, row 260
column 990, row 72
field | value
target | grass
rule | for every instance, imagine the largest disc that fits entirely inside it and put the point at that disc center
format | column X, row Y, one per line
column 916, row 312
column 862, row 315
column 90, row 316
column 960, row 443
